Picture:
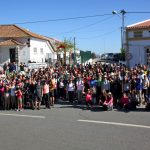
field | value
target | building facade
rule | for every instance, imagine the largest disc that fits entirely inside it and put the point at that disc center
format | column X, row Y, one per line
column 20, row 45
column 137, row 44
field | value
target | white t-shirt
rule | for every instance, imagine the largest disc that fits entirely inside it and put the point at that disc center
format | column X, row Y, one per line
column 71, row 87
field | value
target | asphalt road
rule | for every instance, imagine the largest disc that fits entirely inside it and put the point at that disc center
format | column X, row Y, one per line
column 62, row 128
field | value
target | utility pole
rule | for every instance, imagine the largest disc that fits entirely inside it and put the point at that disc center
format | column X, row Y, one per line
column 74, row 43
column 122, row 12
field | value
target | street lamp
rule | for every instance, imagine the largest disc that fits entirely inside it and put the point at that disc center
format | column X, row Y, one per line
column 122, row 12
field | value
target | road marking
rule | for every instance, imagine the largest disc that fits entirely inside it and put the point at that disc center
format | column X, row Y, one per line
column 17, row 115
column 115, row 123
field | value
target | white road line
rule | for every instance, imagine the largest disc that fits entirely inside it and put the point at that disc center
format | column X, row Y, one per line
column 17, row 115
column 115, row 123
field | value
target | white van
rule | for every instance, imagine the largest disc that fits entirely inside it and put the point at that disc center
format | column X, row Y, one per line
column 36, row 65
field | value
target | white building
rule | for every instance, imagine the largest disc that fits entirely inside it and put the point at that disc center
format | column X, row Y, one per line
column 138, row 43
column 20, row 45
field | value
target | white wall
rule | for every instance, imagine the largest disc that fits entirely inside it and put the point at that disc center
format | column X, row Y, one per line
column 137, row 49
column 26, row 53
column 37, row 43
column 4, row 55
column 146, row 33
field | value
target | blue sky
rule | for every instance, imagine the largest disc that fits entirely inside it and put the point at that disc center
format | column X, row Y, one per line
column 99, row 34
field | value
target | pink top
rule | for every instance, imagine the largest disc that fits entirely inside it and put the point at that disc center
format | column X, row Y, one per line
column 109, row 101
column 19, row 95
column 2, row 90
column 88, row 97
column 45, row 89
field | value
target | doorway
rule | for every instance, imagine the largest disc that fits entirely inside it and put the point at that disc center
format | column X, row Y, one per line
column 12, row 53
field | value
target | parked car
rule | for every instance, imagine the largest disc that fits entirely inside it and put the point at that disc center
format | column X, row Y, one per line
column 107, row 56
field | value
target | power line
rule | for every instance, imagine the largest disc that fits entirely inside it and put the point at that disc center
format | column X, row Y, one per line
column 62, row 19
column 84, row 27
column 138, row 12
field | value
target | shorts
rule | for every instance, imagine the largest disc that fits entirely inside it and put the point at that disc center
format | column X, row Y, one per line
column 52, row 93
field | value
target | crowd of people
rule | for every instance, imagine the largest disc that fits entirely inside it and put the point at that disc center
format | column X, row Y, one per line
column 106, row 85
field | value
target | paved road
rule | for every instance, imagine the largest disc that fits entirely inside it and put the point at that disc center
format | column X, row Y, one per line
column 60, row 129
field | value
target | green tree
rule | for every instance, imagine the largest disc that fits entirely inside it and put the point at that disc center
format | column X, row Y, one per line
column 122, row 57
column 93, row 55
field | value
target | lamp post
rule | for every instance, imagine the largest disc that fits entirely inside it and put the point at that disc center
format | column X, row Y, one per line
column 122, row 12
column 74, row 46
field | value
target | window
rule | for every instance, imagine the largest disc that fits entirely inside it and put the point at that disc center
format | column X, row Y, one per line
column 35, row 50
column 148, row 56
column 138, row 34
column 41, row 50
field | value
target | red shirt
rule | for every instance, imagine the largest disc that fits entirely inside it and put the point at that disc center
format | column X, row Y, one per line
column 19, row 95
column 124, row 100
column 88, row 97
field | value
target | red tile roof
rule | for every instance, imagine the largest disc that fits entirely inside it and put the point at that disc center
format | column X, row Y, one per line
column 141, row 25
column 10, row 42
column 14, row 31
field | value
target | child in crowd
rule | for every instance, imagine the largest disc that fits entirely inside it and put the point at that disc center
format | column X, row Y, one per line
column 124, row 101
column 19, row 99
column 89, row 99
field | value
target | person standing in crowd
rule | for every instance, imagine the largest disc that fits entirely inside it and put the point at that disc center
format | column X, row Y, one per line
column 145, row 85
column 2, row 89
column 98, row 88
column 19, row 99
column 39, row 95
column 52, row 86
column 93, row 84
column 138, row 87
column 80, row 88
column 71, row 91
column 12, row 67
column 7, row 97
column 13, row 95
column 32, row 93
column 126, row 86
column 106, row 84
column 46, row 95
column 61, row 89
column 22, row 66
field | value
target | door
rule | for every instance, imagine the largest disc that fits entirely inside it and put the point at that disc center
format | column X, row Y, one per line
column 148, row 56
column 12, row 53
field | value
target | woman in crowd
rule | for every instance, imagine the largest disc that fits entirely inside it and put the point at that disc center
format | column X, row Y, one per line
column 88, row 99
column 52, row 86
column 80, row 88
column 71, row 91
column 108, row 103
column 124, row 101
column 7, row 97
column 61, row 89
column 19, row 99
column 103, row 97
column 46, row 95
column 13, row 96
column 38, row 95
